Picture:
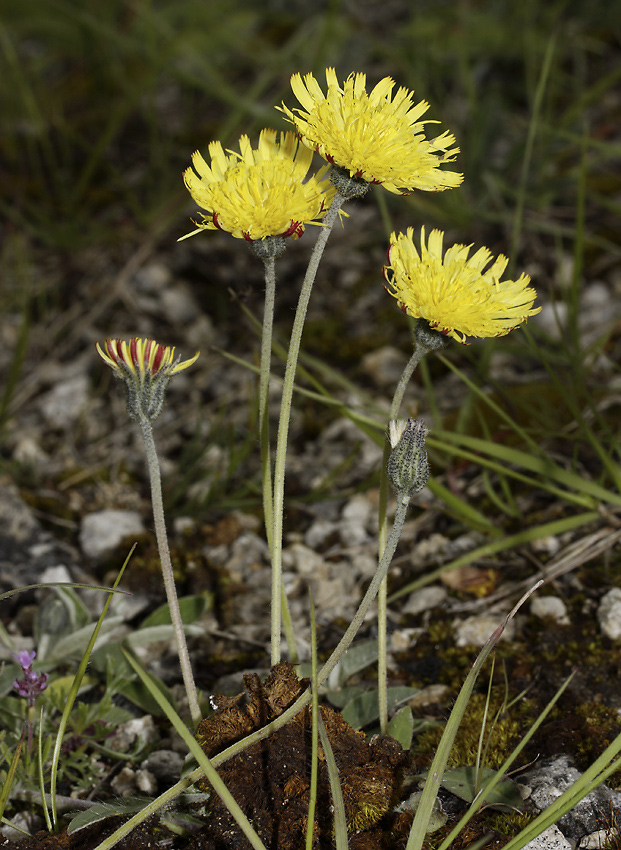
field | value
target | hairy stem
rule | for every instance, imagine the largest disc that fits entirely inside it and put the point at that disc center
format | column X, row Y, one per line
column 285, row 417
column 167, row 570
column 264, row 383
column 382, row 639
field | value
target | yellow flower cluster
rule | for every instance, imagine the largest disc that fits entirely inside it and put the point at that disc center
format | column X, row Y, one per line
column 372, row 137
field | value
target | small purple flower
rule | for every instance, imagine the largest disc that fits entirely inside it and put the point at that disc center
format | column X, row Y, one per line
column 32, row 683
column 25, row 658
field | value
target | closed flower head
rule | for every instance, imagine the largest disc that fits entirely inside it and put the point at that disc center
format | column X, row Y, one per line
column 408, row 468
column 258, row 192
column 454, row 292
column 146, row 367
column 375, row 137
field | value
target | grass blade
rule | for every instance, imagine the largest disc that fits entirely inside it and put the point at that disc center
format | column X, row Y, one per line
column 438, row 766
column 340, row 821
column 75, row 687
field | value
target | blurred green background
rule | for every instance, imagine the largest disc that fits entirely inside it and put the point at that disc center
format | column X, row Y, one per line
column 103, row 102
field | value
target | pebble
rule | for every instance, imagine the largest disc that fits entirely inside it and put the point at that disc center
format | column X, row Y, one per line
column 103, row 531
column 138, row 729
column 319, row 533
column 27, row 451
column 598, row 840
column 425, row 599
column 124, row 784
column 52, row 575
column 431, row 695
column 384, row 366
column 17, row 521
column 152, row 278
column 551, row 607
column 246, row 551
column 404, row 639
column 550, row 839
column 179, row 304
column 63, row 405
column 609, row 614
column 477, row 630
column 356, row 514
column 22, row 822
column 165, row 765
column 550, row 778
column 146, row 782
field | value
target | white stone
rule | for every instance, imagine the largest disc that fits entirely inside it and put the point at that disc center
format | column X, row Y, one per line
column 64, row 403
column 146, row 782
column 179, row 304
column 550, row 839
column 59, row 573
column 22, row 822
column 319, row 532
column 352, row 528
column 598, row 840
column 102, row 531
column 304, row 561
column 27, row 451
column 125, row 783
column 552, row 607
column 425, row 599
column 477, row 630
column 139, row 729
column 384, row 366
column 609, row 614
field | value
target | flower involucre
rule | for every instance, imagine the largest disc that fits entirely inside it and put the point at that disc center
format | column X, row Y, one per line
column 259, row 192
column 374, row 137
column 454, row 293
column 146, row 367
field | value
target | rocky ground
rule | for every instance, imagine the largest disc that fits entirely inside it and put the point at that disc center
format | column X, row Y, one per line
column 74, row 493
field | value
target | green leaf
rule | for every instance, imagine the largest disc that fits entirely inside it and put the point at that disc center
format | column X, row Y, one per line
column 100, row 811
column 341, row 697
column 401, row 727
column 74, row 645
column 466, row 783
column 137, row 693
column 355, row 659
column 191, row 607
column 153, row 634
column 364, row 709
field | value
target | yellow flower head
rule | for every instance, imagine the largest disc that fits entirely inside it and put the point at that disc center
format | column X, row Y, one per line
column 146, row 367
column 259, row 192
column 454, row 293
column 374, row 137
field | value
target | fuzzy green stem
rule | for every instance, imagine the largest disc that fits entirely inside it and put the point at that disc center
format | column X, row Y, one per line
column 167, row 570
column 382, row 608
column 264, row 431
column 264, row 383
column 285, row 416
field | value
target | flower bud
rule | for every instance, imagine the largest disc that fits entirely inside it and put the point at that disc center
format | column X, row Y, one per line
column 408, row 469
